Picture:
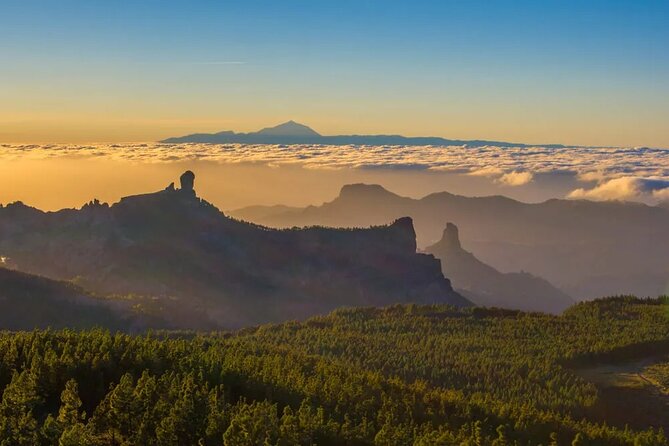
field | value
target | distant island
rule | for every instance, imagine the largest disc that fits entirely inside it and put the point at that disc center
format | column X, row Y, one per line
column 292, row 132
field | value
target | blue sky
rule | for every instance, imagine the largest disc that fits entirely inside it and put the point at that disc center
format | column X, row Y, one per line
column 572, row 72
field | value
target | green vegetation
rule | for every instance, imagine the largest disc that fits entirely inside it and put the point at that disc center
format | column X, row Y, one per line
column 402, row 375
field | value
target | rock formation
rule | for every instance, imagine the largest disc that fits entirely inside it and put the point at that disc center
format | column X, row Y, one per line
column 187, row 180
column 486, row 286
column 451, row 237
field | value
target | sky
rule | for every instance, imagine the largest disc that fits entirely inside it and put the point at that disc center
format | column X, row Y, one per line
column 572, row 72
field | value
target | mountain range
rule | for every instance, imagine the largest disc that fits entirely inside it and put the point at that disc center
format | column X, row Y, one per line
column 485, row 286
column 587, row 249
column 215, row 271
column 292, row 132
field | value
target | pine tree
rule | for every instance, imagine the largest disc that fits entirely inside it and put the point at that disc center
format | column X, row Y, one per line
column 18, row 427
column 553, row 439
column 68, row 414
column 478, row 433
column 289, row 430
column 578, row 440
column 501, row 439
column 121, row 414
column 76, row 435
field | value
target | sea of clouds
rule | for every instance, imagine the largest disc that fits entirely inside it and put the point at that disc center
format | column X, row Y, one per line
column 606, row 173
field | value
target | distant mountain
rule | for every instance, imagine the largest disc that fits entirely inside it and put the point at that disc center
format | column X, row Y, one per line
column 486, row 286
column 290, row 128
column 588, row 249
column 179, row 248
column 28, row 302
column 292, row 132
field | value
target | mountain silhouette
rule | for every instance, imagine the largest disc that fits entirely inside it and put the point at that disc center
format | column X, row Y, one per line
column 292, row 132
column 588, row 249
column 175, row 246
column 486, row 286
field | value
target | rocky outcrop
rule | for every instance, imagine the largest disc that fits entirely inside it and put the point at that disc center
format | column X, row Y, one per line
column 187, row 181
column 451, row 238
column 486, row 286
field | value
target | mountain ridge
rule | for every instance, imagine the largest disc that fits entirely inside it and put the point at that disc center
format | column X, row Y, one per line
column 577, row 245
column 172, row 244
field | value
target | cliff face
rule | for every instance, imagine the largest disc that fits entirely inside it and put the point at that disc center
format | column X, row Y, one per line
column 173, row 245
column 486, row 286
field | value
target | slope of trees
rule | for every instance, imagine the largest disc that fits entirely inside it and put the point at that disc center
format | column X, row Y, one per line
column 402, row 375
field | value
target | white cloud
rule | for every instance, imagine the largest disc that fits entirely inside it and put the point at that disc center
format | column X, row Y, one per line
column 516, row 178
column 596, row 175
column 625, row 188
column 488, row 171
column 661, row 194
column 513, row 178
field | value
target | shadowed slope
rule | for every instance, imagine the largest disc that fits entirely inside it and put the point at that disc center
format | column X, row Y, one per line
column 28, row 302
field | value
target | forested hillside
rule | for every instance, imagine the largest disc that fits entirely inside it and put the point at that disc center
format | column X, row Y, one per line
column 402, row 375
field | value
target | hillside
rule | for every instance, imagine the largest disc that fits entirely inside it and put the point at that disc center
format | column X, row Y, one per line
column 589, row 249
column 175, row 246
column 28, row 302
column 401, row 375
column 486, row 286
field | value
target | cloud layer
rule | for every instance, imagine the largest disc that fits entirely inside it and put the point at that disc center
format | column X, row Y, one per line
column 611, row 173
